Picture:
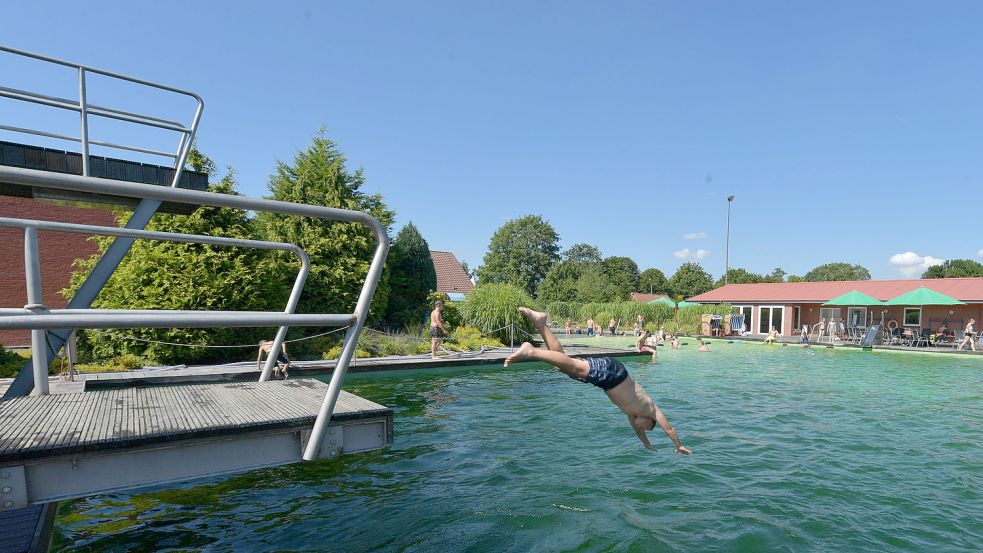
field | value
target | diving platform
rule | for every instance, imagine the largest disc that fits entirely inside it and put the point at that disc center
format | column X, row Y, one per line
column 62, row 161
column 62, row 446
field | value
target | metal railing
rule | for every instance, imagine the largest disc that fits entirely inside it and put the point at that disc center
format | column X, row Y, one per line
column 85, row 109
column 40, row 318
column 36, row 317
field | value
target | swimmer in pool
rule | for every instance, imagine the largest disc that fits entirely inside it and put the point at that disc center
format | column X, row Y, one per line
column 703, row 345
column 607, row 374
column 642, row 347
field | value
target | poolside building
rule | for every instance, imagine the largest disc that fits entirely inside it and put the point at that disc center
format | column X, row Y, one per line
column 789, row 305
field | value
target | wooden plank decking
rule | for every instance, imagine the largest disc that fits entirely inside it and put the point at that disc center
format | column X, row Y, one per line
column 40, row 426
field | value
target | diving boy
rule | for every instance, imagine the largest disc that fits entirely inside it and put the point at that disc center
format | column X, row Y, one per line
column 607, row 374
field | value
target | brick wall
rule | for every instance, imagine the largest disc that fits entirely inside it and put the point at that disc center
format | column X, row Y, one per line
column 58, row 251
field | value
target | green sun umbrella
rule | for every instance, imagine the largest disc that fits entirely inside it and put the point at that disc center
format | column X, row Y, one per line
column 923, row 296
column 854, row 298
column 670, row 303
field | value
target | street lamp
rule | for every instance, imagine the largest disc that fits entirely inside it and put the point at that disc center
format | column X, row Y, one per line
column 730, row 200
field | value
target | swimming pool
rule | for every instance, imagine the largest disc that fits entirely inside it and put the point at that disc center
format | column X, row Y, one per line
column 793, row 450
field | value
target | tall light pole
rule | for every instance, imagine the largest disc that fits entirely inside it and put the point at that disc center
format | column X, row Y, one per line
column 730, row 200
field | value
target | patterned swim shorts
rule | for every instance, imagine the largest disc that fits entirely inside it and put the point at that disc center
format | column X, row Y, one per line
column 605, row 372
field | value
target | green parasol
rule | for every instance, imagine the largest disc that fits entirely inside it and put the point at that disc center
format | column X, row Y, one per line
column 670, row 303
column 854, row 298
column 923, row 296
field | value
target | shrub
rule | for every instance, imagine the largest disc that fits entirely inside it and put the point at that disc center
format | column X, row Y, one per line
column 469, row 338
column 452, row 312
column 125, row 362
column 333, row 353
column 10, row 363
column 492, row 308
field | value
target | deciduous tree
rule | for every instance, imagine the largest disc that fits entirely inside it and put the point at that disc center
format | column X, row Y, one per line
column 653, row 281
column 689, row 280
column 955, row 268
column 740, row 276
column 520, row 253
column 837, row 271
column 623, row 274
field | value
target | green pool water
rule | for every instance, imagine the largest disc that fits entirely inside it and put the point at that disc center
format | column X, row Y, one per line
column 794, row 450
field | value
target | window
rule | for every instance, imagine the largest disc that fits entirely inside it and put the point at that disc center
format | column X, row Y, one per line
column 856, row 316
column 743, row 310
column 769, row 317
column 830, row 314
column 913, row 316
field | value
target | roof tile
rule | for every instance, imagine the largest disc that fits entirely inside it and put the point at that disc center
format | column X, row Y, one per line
column 450, row 275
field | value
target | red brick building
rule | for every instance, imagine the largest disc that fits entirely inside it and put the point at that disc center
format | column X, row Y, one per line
column 58, row 251
column 789, row 305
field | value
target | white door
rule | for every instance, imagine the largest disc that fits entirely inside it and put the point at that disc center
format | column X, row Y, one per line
column 769, row 317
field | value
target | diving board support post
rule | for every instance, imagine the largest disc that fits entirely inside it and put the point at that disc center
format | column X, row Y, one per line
column 313, row 449
column 39, row 354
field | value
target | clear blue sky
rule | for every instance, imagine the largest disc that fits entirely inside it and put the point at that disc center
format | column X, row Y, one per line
column 847, row 130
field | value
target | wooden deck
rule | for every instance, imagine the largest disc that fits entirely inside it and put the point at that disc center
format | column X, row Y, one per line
column 62, row 446
column 40, row 426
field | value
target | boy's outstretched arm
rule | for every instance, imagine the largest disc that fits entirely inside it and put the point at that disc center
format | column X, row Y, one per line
column 641, row 434
column 668, row 429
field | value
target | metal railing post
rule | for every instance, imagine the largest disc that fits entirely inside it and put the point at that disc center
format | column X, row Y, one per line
column 351, row 340
column 32, row 268
column 84, row 115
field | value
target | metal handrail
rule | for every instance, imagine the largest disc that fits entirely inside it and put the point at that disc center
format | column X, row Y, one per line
column 85, row 109
column 38, row 317
column 63, row 181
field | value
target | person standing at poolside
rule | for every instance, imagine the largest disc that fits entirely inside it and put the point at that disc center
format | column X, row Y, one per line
column 607, row 374
column 970, row 333
column 436, row 328
column 612, row 325
column 590, row 326
column 639, row 323
column 642, row 346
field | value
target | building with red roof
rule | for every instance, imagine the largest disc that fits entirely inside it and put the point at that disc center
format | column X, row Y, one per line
column 452, row 279
column 790, row 305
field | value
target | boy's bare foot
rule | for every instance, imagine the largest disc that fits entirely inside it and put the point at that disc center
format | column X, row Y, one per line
column 524, row 352
column 537, row 318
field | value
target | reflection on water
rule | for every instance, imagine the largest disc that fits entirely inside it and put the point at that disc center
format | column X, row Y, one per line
column 794, row 450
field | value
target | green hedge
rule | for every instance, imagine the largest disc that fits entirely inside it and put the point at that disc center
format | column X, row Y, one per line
column 656, row 315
